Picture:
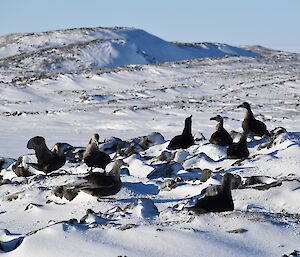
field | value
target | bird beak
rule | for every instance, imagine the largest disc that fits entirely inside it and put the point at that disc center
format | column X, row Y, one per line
column 212, row 118
column 241, row 106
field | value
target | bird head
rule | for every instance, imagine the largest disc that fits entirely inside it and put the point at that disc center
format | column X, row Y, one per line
column 188, row 120
column 244, row 105
column 59, row 149
column 94, row 139
column 36, row 142
column 217, row 118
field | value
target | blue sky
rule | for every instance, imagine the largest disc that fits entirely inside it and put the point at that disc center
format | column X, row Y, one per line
column 237, row 22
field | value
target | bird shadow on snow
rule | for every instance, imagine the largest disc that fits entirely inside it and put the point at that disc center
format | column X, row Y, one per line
column 273, row 154
column 236, row 169
column 141, row 188
column 176, row 200
column 149, row 190
column 66, row 226
column 254, row 143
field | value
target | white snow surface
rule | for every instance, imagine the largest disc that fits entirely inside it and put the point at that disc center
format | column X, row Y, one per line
column 145, row 219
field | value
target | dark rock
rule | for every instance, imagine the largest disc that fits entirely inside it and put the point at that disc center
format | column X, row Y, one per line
column 133, row 148
column 88, row 212
column 237, row 231
column 236, row 181
column 64, row 191
column 70, row 194
column 168, row 185
column 171, row 184
column 127, row 226
column 165, row 170
column 32, row 205
column 58, row 191
column 73, row 154
column 295, row 253
column 151, row 140
column 268, row 186
column 272, row 139
column 20, row 170
column 73, row 221
column 205, row 175
column 113, row 144
column 238, row 162
column 253, row 180
column 165, row 156
column 260, row 183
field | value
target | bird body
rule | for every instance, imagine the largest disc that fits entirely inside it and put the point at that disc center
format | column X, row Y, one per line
column 93, row 157
column 47, row 160
column 220, row 136
column 101, row 184
column 216, row 203
column 185, row 140
column 95, row 183
column 253, row 126
column 238, row 150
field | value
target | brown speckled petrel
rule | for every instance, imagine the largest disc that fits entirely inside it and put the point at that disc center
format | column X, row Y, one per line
column 253, row 126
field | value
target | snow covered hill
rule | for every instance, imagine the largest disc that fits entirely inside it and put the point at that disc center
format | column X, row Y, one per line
column 77, row 49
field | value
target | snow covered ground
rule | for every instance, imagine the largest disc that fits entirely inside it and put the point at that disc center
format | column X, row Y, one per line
column 148, row 216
